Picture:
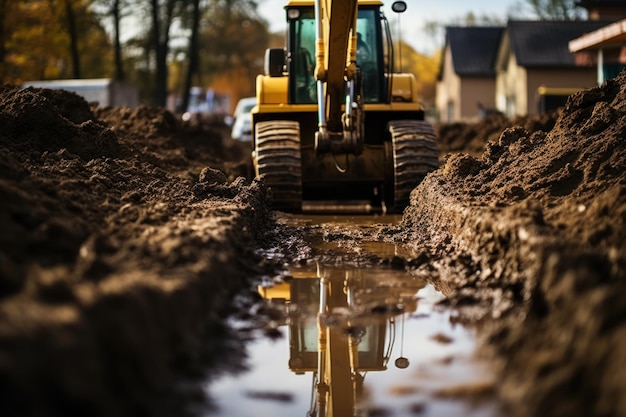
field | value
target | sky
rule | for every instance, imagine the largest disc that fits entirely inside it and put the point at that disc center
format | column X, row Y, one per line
column 418, row 13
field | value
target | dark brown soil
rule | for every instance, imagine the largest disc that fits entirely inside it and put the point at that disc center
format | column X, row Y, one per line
column 534, row 231
column 128, row 238
column 121, row 253
column 472, row 138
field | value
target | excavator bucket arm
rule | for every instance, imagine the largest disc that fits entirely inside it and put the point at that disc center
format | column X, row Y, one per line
column 337, row 23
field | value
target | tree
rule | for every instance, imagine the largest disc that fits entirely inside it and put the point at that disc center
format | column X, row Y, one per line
column 71, row 25
column 233, row 44
column 46, row 39
column 95, row 47
column 83, row 37
column 115, row 10
column 555, row 9
column 7, row 15
column 436, row 29
column 193, row 53
column 162, row 16
column 36, row 45
column 425, row 68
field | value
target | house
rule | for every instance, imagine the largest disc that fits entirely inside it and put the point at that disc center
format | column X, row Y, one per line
column 604, row 48
column 530, row 66
column 534, row 64
column 604, row 9
column 466, row 80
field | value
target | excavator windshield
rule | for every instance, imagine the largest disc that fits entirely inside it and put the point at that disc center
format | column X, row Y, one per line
column 301, row 46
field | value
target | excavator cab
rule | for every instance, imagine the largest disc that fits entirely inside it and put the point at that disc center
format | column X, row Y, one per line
column 301, row 63
column 336, row 128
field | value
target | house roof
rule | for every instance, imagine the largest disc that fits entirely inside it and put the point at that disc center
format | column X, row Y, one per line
column 474, row 49
column 613, row 34
column 589, row 3
column 545, row 43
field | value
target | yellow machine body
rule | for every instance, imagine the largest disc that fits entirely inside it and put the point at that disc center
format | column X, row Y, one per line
column 335, row 128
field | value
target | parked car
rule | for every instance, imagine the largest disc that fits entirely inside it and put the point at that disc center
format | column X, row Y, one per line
column 242, row 127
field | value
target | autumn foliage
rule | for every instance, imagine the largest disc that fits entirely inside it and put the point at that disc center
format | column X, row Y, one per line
column 148, row 44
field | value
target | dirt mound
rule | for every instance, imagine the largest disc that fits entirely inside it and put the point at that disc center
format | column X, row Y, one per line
column 36, row 120
column 115, row 248
column 166, row 141
column 472, row 138
column 535, row 231
column 129, row 237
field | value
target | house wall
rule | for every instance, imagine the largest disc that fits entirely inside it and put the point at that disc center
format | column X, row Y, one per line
column 476, row 90
column 511, row 94
column 448, row 91
column 582, row 78
column 606, row 12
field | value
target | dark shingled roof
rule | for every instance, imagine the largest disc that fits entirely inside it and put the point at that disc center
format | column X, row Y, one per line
column 545, row 43
column 474, row 49
column 590, row 3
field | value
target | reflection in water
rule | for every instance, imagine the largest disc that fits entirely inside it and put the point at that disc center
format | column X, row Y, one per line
column 342, row 324
column 345, row 322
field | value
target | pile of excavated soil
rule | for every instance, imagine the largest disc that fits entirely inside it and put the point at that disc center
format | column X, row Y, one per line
column 533, row 233
column 126, row 236
column 129, row 239
column 472, row 138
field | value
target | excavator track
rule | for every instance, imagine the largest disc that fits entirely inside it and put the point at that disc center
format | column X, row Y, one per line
column 415, row 154
column 278, row 161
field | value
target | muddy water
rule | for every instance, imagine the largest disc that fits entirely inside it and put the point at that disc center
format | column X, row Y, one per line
column 356, row 339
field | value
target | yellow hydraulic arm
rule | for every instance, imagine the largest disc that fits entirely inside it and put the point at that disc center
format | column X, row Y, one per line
column 335, row 73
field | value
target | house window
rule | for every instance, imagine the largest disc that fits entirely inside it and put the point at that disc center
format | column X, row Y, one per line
column 612, row 70
column 450, row 111
column 510, row 106
column 302, row 40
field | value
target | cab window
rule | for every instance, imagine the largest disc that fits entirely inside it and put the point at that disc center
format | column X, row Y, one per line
column 301, row 46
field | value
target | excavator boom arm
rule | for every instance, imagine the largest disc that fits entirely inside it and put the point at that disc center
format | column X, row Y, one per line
column 336, row 56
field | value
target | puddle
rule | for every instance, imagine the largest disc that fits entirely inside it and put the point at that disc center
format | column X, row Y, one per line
column 357, row 341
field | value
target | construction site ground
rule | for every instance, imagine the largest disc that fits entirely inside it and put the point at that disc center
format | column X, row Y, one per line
column 129, row 241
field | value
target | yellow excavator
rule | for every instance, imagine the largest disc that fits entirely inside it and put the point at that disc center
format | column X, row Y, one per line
column 335, row 128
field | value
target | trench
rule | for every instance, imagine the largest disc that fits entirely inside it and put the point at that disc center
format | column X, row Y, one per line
column 353, row 334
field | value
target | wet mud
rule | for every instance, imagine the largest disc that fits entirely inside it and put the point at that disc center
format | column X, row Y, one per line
column 129, row 239
column 356, row 325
